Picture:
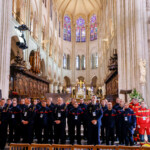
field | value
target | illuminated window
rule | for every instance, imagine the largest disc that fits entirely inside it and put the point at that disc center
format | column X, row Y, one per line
column 80, row 30
column 67, row 28
column 93, row 25
column 78, row 62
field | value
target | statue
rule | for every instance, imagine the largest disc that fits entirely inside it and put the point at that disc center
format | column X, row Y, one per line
column 142, row 65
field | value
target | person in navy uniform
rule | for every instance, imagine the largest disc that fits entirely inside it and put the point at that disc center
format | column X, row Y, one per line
column 83, row 106
column 3, row 124
column 68, row 108
column 76, row 115
column 115, row 107
column 22, row 106
column 51, row 107
column 8, row 105
column 110, row 121
column 28, row 117
column 94, row 115
column 119, row 123
column 15, row 121
column 129, row 124
column 43, row 116
column 117, row 103
column 59, row 122
column 35, row 125
column 103, row 132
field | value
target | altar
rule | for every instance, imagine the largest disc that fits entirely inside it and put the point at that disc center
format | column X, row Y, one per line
column 81, row 91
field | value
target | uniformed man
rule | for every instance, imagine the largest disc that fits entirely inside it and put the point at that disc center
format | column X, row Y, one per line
column 51, row 107
column 110, row 121
column 143, row 121
column 3, row 124
column 103, row 107
column 83, row 106
column 94, row 114
column 36, row 123
column 76, row 115
column 69, row 107
column 115, row 107
column 135, row 106
column 43, row 116
column 117, row 103
column 28, row 118
column 8, row 106
column 22, row 106
column 59, row 121
column 15, row 121
column 119, row 123
column 129, row 124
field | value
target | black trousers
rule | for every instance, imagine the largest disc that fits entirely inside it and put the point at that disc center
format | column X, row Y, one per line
column 103, row 133
column 72, row 132
column 128, row 135
column 46, row 135
column 14, row 133
column 59, row 133
column 121, row 136
column 27, row 133
column 109, row 135
column 3, row 135
column 85, row 129
column 93, row 134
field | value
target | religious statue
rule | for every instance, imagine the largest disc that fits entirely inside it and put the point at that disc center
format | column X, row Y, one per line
column 142, row 65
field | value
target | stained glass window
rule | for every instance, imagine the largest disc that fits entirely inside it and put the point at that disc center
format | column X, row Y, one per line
column 67, row 28
column 80, row 30
column 93, row 23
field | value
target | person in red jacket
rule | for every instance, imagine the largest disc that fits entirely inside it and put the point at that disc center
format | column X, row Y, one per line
column 143, row 121
column 135, row 105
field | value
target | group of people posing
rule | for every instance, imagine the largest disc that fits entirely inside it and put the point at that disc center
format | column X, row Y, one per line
column 23, row 121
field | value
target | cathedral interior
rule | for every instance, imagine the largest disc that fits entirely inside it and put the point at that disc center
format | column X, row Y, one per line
column 74, row 71
column 75, row 48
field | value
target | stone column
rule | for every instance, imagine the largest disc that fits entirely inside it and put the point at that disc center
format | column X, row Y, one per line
column 5, row 44
column 55, row 87
column 73, row 39
column 88, row 58
column 51, row 86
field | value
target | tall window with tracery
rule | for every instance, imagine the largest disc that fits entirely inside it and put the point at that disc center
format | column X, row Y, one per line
column 80, row 30
column 67, row 28
column 93, row 28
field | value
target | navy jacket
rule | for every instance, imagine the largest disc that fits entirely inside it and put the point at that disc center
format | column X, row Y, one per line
column 115, row 106
column 60, row 113
column 94, row 113
column 43, row 116
column 76, row 115
column 28, row 115
column 110, row 118
column 129, row 118
column 15, row 116
column 119, row 112
column 4, row 115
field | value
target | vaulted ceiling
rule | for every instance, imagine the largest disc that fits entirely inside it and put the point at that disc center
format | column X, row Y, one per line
column 77, row 7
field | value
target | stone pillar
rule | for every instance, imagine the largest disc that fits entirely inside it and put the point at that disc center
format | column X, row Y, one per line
column 51, row 86
column 73, row 39
column 55, row 87
column 88, row 58
column 5, row 45
column 27, row 33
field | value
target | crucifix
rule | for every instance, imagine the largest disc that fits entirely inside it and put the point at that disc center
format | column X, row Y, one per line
column 125, row 92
